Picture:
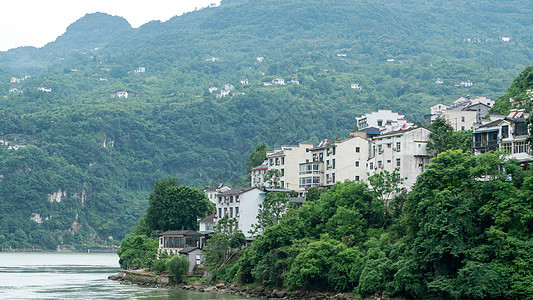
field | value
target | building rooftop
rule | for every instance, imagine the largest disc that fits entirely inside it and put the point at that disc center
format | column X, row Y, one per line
column 180, row 232
column 237, row 191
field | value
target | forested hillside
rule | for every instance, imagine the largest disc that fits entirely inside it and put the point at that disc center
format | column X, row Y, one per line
column 102, row 154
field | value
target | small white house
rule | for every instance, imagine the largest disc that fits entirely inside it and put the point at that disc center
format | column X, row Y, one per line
column 506, row 39
column 45, row 89
column 122, row 94
column 14, row 80
column 260, row 59
column 244, row 81
column 279, row 81
column 140, row 70
column 356, row 86
column 439, row 81
column 212, row 89
column 267, row 83
column 467, row 83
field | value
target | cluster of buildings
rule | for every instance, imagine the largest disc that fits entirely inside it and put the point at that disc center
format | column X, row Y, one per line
column 385, row 141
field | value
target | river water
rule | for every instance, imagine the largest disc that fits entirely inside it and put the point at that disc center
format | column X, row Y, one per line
column 75, row 276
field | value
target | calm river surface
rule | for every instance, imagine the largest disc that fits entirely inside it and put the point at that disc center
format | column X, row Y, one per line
column 75, row 276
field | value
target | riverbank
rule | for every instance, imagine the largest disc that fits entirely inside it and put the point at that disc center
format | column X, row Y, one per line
column 147, row 279
column 64, row 250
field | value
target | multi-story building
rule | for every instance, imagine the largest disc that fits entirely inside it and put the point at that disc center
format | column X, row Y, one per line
column 287, row 160
column 508, row 134
column 464, row 113
column 241, row 204
column 377, row 119
column 405, row 150
column 336, row 160
column 213, row 191
column 258, row 173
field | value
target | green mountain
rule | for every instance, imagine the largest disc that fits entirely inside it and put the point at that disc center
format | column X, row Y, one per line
column 86, row 158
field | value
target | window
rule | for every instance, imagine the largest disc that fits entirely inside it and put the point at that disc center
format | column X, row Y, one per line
column 334, row 150
column 282, row 184
column 397, row 162
column 380, row 164
column 230, row 199
column 333, row 177
column 282, row 160
column 398, row 146
column 388, row 161
column 389, row 145
column 282, row 172
column 231, row 212
column 277, row 161
column 520, row 129
column 357, row 149
column 507, row 147
column 505, row 131
column 520, row 147
column 356, row 178
column 371, row 166
column 220, row 212
column 225, row 210
column 271, row 162
column 462, row 119
column 198, row 259
column 327, row 164
column 357, row 164
column 237, row 211
column 380, row 149
column 462, row 128
column 380, row 123
column 321, row 156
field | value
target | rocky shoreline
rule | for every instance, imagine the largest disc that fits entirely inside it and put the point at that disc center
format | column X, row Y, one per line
column 147, row 279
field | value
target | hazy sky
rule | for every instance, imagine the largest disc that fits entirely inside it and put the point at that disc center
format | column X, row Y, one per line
column 38, row 22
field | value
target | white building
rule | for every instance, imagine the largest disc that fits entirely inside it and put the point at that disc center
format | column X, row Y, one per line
column 213, row 191
column 377, row 119
column 405, row 150
column 279, row 81
column 45, row 89
column 333, row 161
column 242, row 204
column 258, row 173
column 356, row 86
column 229, row 87
column 207, row 224
column 464, row 113
column 467, row 83
column 439, row 81
column 122, row 94
column 260, row 59
column 287, row 160
column 140, row 70
column 212, row 89
column 244, row 81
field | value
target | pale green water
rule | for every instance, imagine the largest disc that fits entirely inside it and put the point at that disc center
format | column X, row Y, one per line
column 75, row 276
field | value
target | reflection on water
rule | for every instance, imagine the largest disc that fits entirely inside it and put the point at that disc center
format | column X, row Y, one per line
column 75, row 276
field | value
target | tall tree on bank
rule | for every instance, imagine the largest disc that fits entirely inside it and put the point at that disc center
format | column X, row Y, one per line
column 257, row 157
column 173, row 206
column 443, row 138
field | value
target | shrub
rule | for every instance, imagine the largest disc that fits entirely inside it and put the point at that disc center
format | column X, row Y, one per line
column 178, row 265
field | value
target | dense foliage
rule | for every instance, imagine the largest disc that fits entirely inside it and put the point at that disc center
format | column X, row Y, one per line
column 464, row 231
column 178, row 266
column 100, row 155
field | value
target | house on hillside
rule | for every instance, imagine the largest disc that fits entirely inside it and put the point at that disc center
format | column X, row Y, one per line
column 244, row 81
column 213, row 191
column 508, row 134
column 279, row 81
column 258, row 173
column 467, row 83
column 139, row 70
column 183, row 242
column 122, row 94
column 286, row 160
column 207, row 224
column 260, row 59
column 404, row 149
column 242, row 204
column 356, row 86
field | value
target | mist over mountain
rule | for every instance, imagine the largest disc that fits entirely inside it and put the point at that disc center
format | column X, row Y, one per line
column 87, row 158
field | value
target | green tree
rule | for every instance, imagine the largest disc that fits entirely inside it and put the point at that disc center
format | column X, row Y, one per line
column 274, row 206
column 173, row 206
column 442, row 138
column 223, row 243
column 386, row 185
column 178, row 266
column 257, row 157
column 137, row 250
column 272, row 178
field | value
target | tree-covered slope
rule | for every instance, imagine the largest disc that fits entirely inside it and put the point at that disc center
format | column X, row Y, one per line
column 115, row 149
